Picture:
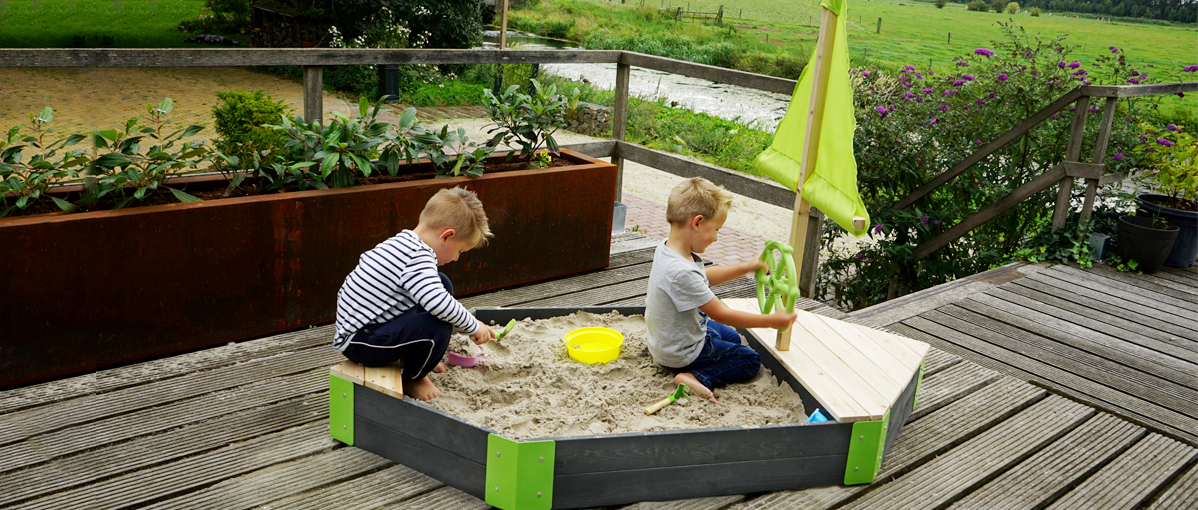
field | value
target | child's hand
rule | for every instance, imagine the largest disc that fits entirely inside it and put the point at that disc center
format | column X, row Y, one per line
column 483, row 335
column 781, row 320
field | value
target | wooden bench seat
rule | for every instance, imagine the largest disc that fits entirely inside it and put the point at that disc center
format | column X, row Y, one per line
column 384, row 379
column 856, row 372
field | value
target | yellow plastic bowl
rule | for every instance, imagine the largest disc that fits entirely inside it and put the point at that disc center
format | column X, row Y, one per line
column 594, row 345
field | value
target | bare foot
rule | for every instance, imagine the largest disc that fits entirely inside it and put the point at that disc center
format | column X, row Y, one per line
column 440, row 368
column 424, row 389
column 697, row 388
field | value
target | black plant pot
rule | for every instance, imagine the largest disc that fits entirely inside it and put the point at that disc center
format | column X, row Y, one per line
column 1185, row 248
column 1140, row 241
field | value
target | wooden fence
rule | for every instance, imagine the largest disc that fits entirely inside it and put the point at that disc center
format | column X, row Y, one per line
column 314, row 60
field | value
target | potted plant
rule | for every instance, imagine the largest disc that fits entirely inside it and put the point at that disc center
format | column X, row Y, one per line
column 136, row 282
column 1146, row 240
column 1173, row 171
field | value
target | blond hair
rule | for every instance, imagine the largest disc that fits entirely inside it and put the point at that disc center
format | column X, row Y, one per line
column 696, row 196
column 460, row 209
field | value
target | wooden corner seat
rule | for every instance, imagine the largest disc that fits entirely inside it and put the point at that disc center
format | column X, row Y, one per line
column 855, row 371
column 383, row 379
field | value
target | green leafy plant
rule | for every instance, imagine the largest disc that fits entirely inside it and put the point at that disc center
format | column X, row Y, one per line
column 529, row 121
column 22, row 183
column 342, row 148
column 125, row 166
column 452, row 153
column 1170, row 154
column 238, row 120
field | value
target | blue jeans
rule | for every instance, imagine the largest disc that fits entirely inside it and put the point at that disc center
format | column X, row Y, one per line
column 416, row 336
column 723, row 359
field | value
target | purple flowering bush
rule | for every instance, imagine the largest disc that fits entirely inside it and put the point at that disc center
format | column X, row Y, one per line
column 1170, row 157
column 933, row 121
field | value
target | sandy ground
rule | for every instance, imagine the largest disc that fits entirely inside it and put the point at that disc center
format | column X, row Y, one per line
column 529, row 387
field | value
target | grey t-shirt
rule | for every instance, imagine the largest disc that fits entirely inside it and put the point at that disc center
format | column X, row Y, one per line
column 675, row 326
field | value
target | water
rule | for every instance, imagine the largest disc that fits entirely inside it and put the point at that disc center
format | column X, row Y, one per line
column 730, row 102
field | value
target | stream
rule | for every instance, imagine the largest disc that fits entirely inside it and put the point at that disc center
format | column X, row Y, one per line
column 764, row 109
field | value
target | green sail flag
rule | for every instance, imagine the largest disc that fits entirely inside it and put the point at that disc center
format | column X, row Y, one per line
column 832, row 187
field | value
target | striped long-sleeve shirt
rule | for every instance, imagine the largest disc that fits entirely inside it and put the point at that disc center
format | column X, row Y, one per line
column 396, row 275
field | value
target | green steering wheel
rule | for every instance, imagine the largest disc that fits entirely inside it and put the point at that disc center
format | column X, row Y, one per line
column 780, row 280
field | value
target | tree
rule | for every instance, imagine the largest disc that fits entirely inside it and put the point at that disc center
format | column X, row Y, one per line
column 941, row 3
column 1013, row 8
column 998, row 5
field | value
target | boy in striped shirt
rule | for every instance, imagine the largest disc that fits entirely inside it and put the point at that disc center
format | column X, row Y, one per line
column 396, row 306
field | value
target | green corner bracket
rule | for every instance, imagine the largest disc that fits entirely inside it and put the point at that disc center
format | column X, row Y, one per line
column 918, row 383
column 865, row 450
column 519, row 473
column 341, row 410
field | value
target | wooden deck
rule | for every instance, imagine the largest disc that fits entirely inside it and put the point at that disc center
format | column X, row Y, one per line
column 1107, row 422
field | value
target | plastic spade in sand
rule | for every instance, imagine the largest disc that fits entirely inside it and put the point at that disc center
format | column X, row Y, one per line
column 458, row 360
column 506, row 329
column 681, row 392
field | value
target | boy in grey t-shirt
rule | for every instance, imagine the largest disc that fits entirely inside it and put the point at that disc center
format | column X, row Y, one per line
column 681, row 312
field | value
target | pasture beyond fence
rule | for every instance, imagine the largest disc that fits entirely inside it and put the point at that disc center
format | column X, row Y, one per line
column 313, row 62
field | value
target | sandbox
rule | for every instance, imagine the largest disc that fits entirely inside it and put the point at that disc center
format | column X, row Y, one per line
column 579, row 467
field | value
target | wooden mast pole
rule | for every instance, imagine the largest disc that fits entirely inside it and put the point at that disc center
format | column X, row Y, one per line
column 821, row 69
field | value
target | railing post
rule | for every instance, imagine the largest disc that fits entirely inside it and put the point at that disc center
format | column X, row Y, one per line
column 313, row 93
column 619, row 121
column 1104, row 136
column 1071, row 154
column 810, row 270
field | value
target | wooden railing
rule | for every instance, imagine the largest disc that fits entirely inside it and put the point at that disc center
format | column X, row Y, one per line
column 1063, row 173
column 313, row 60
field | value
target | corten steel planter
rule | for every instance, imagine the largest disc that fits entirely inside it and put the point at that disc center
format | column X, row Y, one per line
column 83, row 291
column 614, row 469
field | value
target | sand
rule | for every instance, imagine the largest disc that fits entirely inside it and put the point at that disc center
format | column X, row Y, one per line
column 528, row 387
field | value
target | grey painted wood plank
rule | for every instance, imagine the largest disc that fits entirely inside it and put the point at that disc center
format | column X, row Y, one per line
column 389, row 486
column 950, row 384
column 948, row 477
column 1188, row 286
column 50, row 417
column 444, row 465
column 1097, row 316
column 938, row 360
column 1154, row 355
column 1132, row 478
column 46, row 447
column 1145, row 285
column 174, row 366
column 441, row 499
column 1061, row 381
column 1182, row 494
column 278, row 481
column 1188, row 274
column 1080, row 358
column 124, row 457
column 1057, row 468
column 713, row 503
column 895, row 310
column 1157, row 309
column 924, row 439
column 179, row 477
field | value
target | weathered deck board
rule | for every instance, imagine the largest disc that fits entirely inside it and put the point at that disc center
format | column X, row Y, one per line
column 441, row 499
column 272, row 482
column 1125, row 324
column 1082, row 360
column 1149, row 286
column 1165, row 312
column 947, row 386
column 714, row 503
column 147, row 421
column 938, row 360
column 1129, row 480
column 389, row 486
column 115, row 459
column 1057, row 468
column 150, row 371
column 63, row 414
column 192, row 473
column 949, row 476
column 1182, row 495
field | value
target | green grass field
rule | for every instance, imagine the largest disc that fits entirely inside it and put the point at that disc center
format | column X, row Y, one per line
column 97, row 23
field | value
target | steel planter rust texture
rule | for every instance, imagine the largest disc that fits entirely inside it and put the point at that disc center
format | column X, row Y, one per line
column 84, row 291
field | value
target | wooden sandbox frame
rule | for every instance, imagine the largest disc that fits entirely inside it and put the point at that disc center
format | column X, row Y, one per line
column 613, row 469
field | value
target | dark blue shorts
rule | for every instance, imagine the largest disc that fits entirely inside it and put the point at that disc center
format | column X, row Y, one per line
column 416, row 337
